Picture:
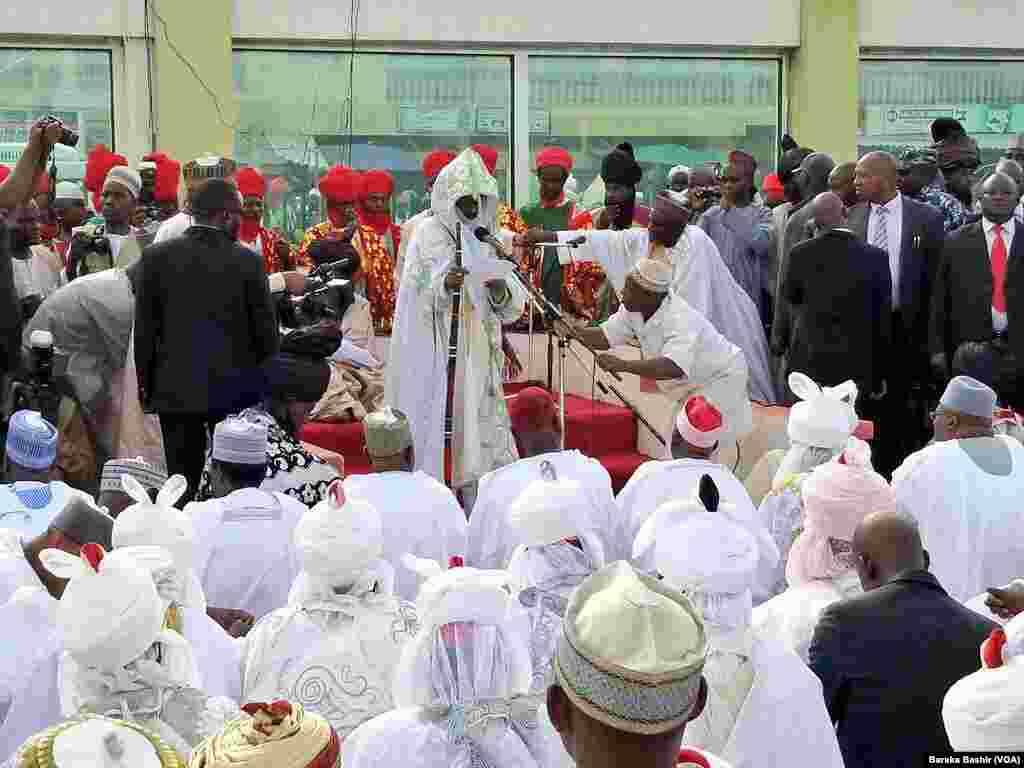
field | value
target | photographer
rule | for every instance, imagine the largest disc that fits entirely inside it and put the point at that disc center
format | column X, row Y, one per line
column 113, row 243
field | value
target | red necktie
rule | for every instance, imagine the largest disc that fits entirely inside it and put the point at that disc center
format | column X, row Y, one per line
column 998, row 270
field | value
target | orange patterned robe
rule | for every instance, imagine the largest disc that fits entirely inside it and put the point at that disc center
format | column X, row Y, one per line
column 268, row 240
column 378, row 269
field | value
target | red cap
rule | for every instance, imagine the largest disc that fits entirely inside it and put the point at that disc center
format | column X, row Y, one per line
column 376, row 182
column 455, row 561
column 554, row 156
column 699, row 422
column 436, row 161
column 489, row 155
column 340, row 185
column 251, row 182
column 992, row 649
column 772, row 188
column 691, row 758
column 97, row 166
column 533, row 410
column 168, row 177
column 42, row 184
column 93, row 554
column 5, row 171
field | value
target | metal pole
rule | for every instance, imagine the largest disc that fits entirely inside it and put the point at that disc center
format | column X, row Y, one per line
column 562, row 344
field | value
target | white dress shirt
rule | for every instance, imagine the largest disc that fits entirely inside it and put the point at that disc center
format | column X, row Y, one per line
column 998, row 318
column 894, row 230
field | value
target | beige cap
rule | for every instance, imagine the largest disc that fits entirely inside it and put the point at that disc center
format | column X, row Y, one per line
column 631, row 652
column 387, row 432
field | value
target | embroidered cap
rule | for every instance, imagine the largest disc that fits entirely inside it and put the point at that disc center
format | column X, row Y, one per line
column 93, row 741
column 150, row 477
column 631, row 652
column 31, row 440
column 387, row 432
column 653, row 275
column 240, row 441
column 970, row 397
column 127, row 178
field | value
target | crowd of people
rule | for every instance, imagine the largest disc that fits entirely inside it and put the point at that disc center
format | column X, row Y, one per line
column 185, row 580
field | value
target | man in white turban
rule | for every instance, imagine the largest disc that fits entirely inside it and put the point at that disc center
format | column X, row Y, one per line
column 334, row 647
column 699, row 426
column 437, row 530
column 819, row 425
column 984, row 711
column 160, row 524
column 964, row 490
column 244, row 556
column 118, row 657
column 698, row 276
column 628, row 672
column 764, row 705
column 491, row 537
column 821, row 569
column 462, row 685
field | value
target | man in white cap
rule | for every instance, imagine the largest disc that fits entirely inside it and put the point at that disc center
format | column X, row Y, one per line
column 965, row 489
column 112, row 243
column 983, row 712
column 437, row 530
column 195, row 172
column 72, row 212
column 462, row 690
column 244, row 555
column 699, row 425
column 819, row 425
column 681, row 350
column 118, row 657
column 491, row 538
column 627, row 673
column 112, row 494
column 334, row 647
column 29, row 498
column 764, row 705
column 698, row 276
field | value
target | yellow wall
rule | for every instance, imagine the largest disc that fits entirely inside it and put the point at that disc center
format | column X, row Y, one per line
column 824, row 78
column 187, row 119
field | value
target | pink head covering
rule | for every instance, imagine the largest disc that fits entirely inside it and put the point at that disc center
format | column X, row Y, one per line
column 836, row 496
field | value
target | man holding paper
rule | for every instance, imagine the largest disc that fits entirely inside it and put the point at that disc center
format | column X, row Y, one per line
column 464, row 198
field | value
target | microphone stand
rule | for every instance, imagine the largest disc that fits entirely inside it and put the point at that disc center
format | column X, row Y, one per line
column 541, row 301
column 453, row 351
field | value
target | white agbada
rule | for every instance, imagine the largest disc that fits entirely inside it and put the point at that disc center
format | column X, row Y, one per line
column 244, row 555
column 713, row 366
column 491, row 540
column 28, row 507
column 657, row 482
column 700, row 277
column 461, row 688
column 764, row 706
column 409, row 228
column 483, row 434
column 421, row 516
column 15, row 570
column 39, row 275
column 335, row 646
column 970, row 519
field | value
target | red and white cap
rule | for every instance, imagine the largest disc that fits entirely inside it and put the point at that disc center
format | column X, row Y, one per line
column 699, row 422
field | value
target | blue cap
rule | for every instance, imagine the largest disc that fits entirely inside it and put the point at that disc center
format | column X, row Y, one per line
column 31, row 440
column 969, row 397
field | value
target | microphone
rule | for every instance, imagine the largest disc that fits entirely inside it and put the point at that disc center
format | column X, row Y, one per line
column 483, row 234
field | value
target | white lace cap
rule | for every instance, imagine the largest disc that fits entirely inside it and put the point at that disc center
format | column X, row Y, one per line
column 707, row 552
column 550, row 511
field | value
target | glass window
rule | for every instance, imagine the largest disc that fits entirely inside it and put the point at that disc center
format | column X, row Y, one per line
column 673, row 111
column 295, row 116
column 899, row 100
column 73, row 85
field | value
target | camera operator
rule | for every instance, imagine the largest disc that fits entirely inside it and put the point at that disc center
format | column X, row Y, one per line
column 703, row 192
column 96, row 247
column 15, row 190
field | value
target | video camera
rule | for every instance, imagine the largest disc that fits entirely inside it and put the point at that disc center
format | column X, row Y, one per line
column 329, row 289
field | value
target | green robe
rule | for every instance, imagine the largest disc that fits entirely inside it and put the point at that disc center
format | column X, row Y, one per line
column 550, row 220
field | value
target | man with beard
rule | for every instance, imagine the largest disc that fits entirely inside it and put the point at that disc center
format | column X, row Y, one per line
column 204, row 324
column 113, row 242
column 585, row 284
column 275, row 250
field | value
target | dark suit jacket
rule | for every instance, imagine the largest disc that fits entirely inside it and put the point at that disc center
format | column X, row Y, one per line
column 796, row 233
column 962, row 299
column 886, row 659
column 840, row 292
column 923, row 235
column 204, row 323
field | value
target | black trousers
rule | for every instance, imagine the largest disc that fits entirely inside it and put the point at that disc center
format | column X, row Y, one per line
column 186, row 439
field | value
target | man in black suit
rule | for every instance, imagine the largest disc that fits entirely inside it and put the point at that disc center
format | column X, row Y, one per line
column 912, row 234
column 840, row 293
column 969, row 302
column 886, row 658
column 204, row 324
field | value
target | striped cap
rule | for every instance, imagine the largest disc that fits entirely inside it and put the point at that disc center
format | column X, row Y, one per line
column 240, row 441
column 150, row 477
column 31, row 440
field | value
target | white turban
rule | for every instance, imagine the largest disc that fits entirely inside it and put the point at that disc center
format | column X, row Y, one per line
column 338, row 539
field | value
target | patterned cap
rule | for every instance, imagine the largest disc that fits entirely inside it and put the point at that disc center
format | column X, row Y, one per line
column 631, row 652
column 209, row 167
column 240, row 441
column 149, row 476
column 31, row 440
column 387, row 432
column 653, row 275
